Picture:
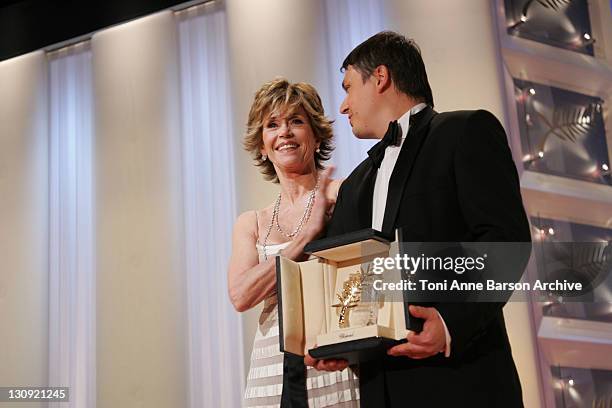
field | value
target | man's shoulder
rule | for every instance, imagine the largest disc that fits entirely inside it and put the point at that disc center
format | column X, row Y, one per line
column 464, row 122
column 465, row 116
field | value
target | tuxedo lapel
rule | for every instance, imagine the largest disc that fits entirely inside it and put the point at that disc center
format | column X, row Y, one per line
column 412, row 145
column 365, row 197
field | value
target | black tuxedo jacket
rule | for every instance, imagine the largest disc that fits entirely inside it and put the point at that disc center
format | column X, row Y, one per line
column 454, row 181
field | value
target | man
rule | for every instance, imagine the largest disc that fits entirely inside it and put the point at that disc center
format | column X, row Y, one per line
column 444, row 177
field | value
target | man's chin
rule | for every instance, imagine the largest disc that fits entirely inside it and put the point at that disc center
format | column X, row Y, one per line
column 361, row 136
column 358, row 134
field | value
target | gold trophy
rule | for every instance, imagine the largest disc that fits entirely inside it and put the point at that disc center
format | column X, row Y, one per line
column 350, row 295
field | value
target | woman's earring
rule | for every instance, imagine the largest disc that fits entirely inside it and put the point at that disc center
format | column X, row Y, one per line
column 264, row 157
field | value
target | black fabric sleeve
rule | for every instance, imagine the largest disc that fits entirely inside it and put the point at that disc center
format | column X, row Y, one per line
column 490, row 200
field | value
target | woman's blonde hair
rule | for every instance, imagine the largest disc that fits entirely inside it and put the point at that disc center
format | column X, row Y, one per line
column 280, row 95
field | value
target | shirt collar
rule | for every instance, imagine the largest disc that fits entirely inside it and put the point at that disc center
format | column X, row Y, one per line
column 404, row 120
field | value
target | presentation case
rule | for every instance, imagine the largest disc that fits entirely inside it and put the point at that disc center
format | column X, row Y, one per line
column 328, row 305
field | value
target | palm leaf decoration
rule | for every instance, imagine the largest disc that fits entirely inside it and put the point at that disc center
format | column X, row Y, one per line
column 556, row 5
column 349, row 296
column 593, row 262
column 586, row 262
column 568, row 123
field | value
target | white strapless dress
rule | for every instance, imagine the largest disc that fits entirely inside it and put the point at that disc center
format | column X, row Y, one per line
column 265, row 380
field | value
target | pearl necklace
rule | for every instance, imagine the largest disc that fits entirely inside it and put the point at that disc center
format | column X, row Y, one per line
column 303, row 219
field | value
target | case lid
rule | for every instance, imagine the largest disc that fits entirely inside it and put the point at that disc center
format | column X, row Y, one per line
column 357, row 244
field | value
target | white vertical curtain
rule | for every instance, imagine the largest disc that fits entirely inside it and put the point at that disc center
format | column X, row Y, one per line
column 215, row 337
column 71, row 274
column 349, row 22
column 24, row 346
column 214, row 330
column 141, row 325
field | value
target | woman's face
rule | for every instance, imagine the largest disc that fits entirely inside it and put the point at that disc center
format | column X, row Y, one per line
column 289, row 141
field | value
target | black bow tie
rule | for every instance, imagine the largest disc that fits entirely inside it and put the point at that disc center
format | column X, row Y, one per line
column 393, row 137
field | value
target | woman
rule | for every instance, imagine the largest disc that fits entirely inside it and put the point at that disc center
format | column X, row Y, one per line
column 289, row 138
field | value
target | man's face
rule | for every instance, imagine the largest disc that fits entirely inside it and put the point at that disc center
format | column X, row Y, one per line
column 359, row 103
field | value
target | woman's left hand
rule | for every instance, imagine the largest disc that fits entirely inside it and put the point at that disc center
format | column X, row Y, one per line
column 322, row 206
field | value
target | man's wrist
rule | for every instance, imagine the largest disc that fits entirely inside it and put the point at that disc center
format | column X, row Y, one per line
column 447, row 337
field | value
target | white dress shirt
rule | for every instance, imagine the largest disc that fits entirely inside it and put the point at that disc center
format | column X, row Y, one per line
column 381, row 188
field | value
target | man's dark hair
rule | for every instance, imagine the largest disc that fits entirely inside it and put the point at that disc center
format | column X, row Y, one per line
column 401, row 56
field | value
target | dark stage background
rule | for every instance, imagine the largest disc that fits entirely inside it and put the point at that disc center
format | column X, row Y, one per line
column 29, row 25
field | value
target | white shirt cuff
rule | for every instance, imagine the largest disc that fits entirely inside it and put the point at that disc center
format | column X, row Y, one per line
column 447, row 348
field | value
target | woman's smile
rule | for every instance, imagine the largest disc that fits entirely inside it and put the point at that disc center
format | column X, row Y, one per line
column 287, row 147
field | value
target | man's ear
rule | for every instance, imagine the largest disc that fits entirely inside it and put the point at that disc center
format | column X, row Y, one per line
column 382, row 78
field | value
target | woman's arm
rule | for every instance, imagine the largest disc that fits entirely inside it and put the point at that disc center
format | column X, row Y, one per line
column 245, row 275
column 250, row 282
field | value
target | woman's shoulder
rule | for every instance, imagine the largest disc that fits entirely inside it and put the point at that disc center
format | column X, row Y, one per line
column 246, row 224
column 247, row 217
column 249, row 221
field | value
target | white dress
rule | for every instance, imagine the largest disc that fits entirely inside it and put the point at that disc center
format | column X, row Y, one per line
column 265, row 380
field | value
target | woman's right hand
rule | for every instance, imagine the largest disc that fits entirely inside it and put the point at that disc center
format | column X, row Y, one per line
column 321, row 207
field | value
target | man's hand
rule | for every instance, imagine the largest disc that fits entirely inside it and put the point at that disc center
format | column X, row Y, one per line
column 428, row 342
column 325, row 365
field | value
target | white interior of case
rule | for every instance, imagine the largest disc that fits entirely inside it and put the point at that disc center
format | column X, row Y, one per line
column 308, row 291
